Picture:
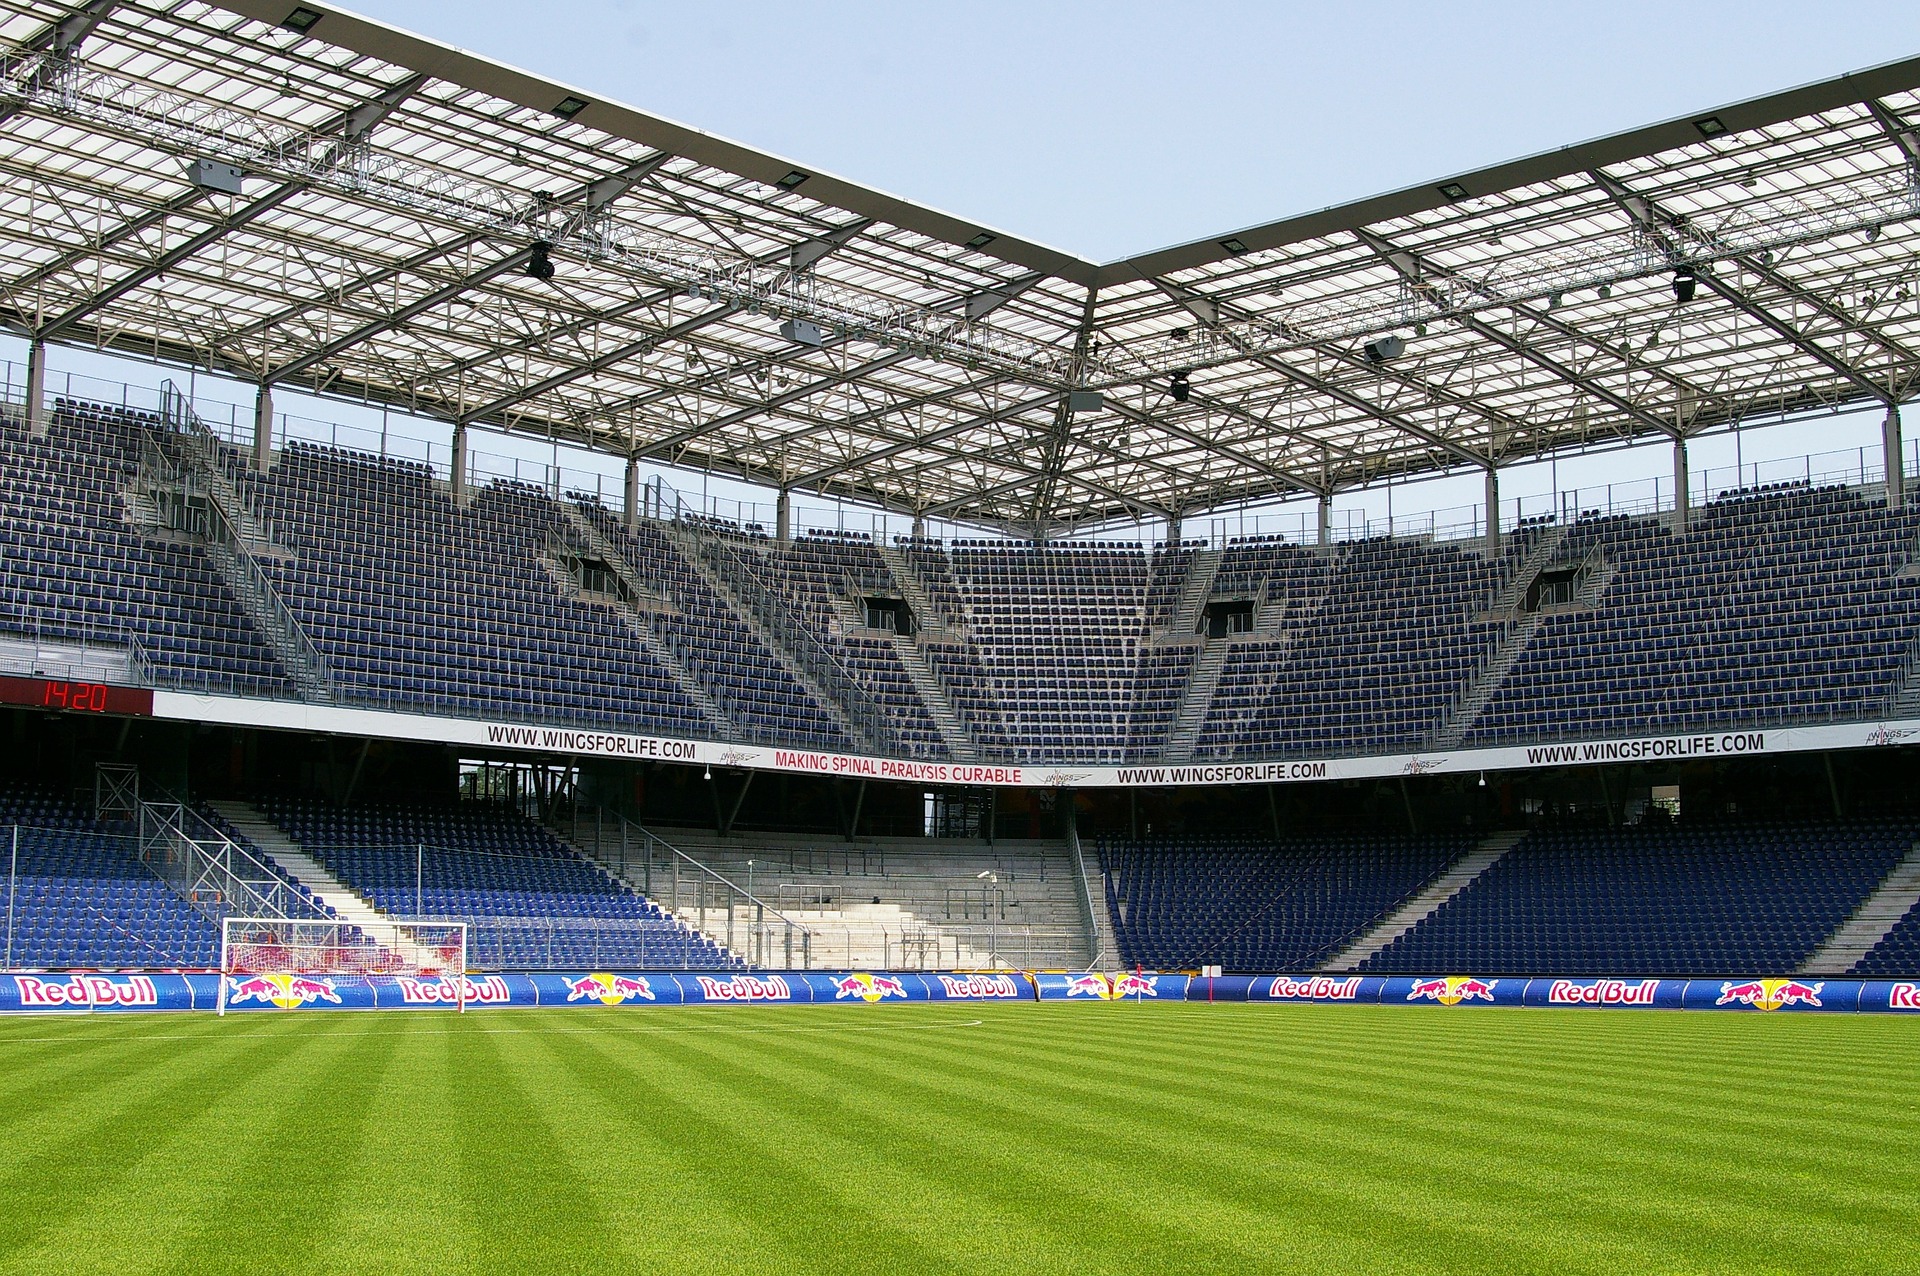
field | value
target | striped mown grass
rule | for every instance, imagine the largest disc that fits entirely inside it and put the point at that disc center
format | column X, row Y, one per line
column 1084, row 1138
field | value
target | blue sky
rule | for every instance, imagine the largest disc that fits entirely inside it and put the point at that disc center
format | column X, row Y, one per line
column 1111, row 128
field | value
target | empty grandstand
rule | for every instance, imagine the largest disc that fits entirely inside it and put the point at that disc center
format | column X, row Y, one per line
column 254, row 670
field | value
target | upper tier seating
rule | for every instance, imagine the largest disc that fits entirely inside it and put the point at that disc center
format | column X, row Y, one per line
column 83, row 900
column 1780, row 606
column 1247, row 904
column 1672, row 901
column 529, row 899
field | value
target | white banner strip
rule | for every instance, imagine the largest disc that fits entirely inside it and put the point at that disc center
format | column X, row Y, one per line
column 471, row 733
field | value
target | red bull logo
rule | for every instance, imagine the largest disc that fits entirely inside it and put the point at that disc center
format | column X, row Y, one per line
column 1769, row 994
column 1899, row 997
column 868, row 988
column 1451, row 990
column 85, row 990
column 289, row 992
column 490, row 991
column 608, row 990
column 1602, row 992
column 1113, row 987
column 746, row 988
column 978, row 987
column 1318, row 988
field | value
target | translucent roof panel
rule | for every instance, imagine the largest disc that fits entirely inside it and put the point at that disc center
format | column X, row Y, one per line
column 710, row 305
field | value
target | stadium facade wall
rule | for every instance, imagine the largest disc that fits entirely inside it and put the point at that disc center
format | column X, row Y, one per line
column 105, row 993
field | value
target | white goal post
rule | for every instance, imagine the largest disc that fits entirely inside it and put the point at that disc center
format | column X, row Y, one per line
column 288, row 961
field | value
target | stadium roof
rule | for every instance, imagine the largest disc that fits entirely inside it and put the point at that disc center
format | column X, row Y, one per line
column 714, row 306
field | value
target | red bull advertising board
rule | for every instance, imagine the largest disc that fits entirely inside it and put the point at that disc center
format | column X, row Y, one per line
column 88, row 992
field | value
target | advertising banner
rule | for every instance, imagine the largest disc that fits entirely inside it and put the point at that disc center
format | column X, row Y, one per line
column 733, row 988
column 1772, row 994
column 603, row 988
column 297, row 992
column 1664, row 994
column 94, row 992
column 1896, row 995
column 1452, row 990
column 999, row 985
column 861, row 987
column 402, row 992
column 1125, row 985
column 1316, row 988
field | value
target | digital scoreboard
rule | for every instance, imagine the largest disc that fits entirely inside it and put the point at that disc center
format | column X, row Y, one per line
column 76, row 697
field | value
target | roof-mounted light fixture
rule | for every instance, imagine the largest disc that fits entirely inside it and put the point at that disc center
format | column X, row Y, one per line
column 981, row 240
column 301, row 20
column 1711, row 126
column 569, row 106
column 1453, row 191
column 1233, row 246
column 793, row 179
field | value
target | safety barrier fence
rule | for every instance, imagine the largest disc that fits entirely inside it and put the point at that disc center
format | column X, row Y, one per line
column 102, row 992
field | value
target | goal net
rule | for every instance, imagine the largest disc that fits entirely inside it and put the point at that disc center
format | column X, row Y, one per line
column 276, row 950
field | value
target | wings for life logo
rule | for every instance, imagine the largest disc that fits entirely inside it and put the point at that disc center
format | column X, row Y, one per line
column 1769, row 994
column 289, row 992
column 1451, row 990
column 608, row 990
column 868, row 988
column 1112, row 987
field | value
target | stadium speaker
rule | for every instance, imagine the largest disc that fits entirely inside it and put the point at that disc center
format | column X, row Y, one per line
column 1685, row 281
column 1384, row 349
column 1179, row 388
column 539, row 264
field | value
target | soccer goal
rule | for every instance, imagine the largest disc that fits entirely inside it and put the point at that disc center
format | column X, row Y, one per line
column 288, row 962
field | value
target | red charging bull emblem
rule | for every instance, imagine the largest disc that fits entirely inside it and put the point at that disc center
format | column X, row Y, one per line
column 609, row 990
column 1769, row 994
column 1451, row 990
column 868, row 988
column 289, row 992
column 1113, row 987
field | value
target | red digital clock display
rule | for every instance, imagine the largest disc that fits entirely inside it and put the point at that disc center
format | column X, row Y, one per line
column 76, row 697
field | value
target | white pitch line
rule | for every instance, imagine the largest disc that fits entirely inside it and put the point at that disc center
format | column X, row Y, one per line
column 216, row 1035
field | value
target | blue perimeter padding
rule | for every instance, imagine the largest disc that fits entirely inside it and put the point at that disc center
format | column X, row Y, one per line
column 90, row 992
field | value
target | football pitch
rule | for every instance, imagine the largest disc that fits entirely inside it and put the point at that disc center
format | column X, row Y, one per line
column 1049, row 1138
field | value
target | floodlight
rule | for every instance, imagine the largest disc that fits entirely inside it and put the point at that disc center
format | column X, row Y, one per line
column 793, row 178
column 1233, row 246
column 1179, row 388
column 301, row 20
column 1711, row 126
column 1606, row 290
column 1454, row 191
column 981, row 240
column 569, row 107
column 1685, row 282
column 539, row 265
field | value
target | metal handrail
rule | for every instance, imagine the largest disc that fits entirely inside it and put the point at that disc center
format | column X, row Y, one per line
column 212, row 871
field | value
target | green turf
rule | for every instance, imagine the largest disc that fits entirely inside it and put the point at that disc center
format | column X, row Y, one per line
column 1083, row 1138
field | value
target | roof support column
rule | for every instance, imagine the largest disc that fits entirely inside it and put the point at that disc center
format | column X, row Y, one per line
column 457, row 480
column 263, row 427
column 1680, row 495
column 630, row 511
column 37, row 389
column 1325, row 517
column 783, row 517
column 1493, row 511
column 1896, row 463
column 1173, row 532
